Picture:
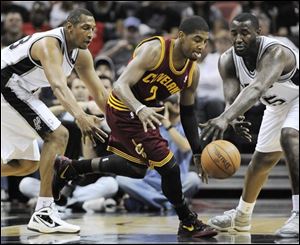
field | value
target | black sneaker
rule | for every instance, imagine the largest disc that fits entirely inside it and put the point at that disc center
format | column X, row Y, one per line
column 63, row 172
column 192, row 227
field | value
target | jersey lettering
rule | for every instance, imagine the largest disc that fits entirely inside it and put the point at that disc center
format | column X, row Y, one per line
column 16, row 44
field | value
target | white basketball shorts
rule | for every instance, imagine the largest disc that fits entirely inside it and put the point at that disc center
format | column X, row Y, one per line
column 24, row 120
column 274, row 119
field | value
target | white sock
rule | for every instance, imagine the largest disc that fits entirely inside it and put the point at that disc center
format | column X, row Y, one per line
column 245, row 207
column 295, row 199
column 43, row 202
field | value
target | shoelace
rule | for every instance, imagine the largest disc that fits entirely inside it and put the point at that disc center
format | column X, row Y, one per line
column 294, row 214
column 230, row 212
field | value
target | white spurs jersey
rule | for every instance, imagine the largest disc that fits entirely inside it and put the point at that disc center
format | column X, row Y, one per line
column 18, row 69
column 281, row 92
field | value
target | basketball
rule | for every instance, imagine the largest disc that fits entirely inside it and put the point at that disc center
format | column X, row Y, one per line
column 220, row 159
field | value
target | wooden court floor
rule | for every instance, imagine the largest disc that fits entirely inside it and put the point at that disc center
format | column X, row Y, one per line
column 139, row 228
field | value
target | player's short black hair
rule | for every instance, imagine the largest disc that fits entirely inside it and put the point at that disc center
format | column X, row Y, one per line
column 74, row 16
column 247, row 16
column 192, row 24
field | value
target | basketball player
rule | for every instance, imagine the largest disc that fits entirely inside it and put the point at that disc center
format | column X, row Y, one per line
column 159, row 68
column 41, row 60
column 267, row 70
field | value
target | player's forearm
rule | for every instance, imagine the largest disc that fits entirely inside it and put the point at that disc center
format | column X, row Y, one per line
column 125, row 94
column 101, row 98
column 244, row 101
column 67, row 99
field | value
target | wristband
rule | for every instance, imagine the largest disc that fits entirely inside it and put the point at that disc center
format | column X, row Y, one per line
column 168, row 128
column 141, row 107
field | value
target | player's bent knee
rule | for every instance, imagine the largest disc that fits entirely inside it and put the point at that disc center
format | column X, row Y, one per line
column 139, row 172
column 289, row 135
column 28, row 167
column 262, row 162
column 171, row 167
column 60, row 135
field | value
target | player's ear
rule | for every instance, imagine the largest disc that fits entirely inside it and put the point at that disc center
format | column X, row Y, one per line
column 181, row 35
column 258, row 31
column 69, row 26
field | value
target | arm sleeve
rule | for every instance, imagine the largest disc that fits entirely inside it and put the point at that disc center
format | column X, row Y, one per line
column 190, row 126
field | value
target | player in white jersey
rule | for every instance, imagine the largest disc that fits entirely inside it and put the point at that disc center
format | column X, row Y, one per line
column 40, row 60
column 258, row 67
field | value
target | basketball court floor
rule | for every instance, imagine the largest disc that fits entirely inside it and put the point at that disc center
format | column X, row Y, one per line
column 143, row 228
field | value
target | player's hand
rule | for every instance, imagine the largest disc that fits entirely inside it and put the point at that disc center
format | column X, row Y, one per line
column 241, row 128
column 200, row 171
column 149, row 116
column 90, row 127
column 214, row 127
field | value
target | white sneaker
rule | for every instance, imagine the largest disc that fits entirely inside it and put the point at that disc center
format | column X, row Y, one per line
column 290, row 228
column 231, row 220
column 94, row 205
column 47, row 220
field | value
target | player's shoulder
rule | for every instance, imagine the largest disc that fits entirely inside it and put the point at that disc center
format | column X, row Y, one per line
column 152, row 46
column 227, row 56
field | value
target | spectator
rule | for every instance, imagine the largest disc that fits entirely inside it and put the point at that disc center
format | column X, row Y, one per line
column 13, row 24
column 39, row 17
column 104, row 66
column 120, row 50
column 210, row 97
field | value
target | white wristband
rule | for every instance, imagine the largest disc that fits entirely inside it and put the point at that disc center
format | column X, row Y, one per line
column 141, row 107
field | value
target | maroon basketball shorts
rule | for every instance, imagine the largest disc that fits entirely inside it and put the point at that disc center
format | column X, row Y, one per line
column 128, row 139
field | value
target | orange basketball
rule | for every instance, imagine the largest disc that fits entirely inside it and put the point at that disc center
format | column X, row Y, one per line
column 220, row 159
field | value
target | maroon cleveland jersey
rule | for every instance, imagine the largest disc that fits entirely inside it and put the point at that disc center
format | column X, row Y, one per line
column 162, row 81
column 127, row 136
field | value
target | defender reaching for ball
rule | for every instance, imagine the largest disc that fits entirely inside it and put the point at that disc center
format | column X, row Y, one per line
column 268, row 70
column 160, row 67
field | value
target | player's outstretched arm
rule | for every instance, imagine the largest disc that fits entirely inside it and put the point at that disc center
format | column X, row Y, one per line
column 48, row 52
column 86, row 72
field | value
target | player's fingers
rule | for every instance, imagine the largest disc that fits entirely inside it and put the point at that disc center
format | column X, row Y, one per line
column 99, row 137
column 145, row 126
column 241, row 118
column 153, row 118
column 151, row 124
column 159, row 116
column 92, row 139
column 215, row 134
column 202, row 125
column 158, row 109
column 100, row 132
column 206, row 132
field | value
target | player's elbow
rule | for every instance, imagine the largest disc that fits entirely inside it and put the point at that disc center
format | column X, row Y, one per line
column 117, row 88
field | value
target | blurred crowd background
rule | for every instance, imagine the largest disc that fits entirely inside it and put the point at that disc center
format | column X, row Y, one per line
column 120, row 26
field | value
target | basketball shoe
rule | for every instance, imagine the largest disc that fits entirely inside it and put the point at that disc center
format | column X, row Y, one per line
column 233, row 219
column 290, row 228
column 63, row 172
column 47, row 220
column 192, row 227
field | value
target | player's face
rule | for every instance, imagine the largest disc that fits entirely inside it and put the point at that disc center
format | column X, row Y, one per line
column 193, row 44
column 83, row 32
column 243, row 36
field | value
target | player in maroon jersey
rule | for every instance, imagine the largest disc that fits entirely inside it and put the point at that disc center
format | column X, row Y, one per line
column 159, row 68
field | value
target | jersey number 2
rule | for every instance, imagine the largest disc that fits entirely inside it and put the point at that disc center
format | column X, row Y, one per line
column 16, row 44
column 153, row 91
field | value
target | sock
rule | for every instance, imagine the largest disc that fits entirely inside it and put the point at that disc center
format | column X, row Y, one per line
column 82, row 166
column 43, row 202
column 295, row 202
column 245, row 207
